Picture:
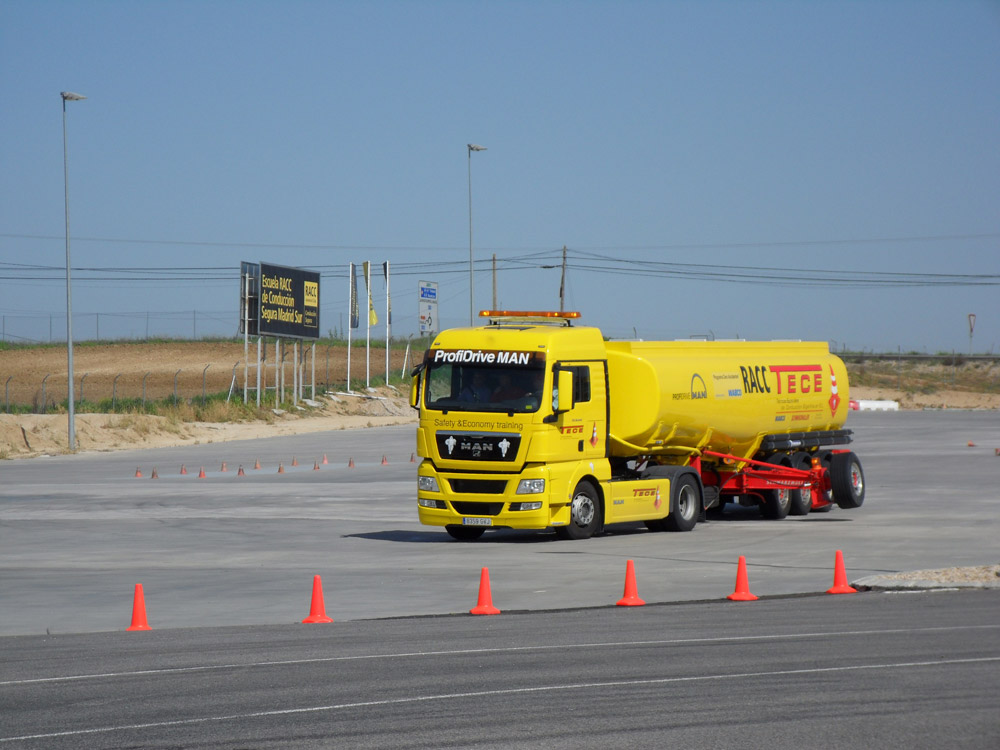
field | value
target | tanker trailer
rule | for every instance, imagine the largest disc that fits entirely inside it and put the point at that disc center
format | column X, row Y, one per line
column 532, row 423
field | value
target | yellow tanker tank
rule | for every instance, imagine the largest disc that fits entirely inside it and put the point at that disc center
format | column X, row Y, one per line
column 721, row 396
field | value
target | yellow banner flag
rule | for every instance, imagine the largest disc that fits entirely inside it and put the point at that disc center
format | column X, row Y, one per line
column 372, row 317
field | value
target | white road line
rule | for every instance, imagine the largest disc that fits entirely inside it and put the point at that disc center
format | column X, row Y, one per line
column 494, row 693
column 496, row 650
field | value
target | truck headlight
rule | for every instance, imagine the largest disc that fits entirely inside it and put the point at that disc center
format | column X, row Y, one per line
column 537, row 505
column 427, row 484
column 531, row 487
column 425, row 503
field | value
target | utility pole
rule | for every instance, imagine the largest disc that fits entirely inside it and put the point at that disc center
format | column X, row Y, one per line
column 494, row 282
column 562, row 283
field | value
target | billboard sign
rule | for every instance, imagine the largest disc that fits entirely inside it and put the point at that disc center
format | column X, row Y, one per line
column 289, row 302
column 427, row 306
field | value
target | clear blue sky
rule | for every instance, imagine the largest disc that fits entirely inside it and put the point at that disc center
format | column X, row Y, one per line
column 837, row 140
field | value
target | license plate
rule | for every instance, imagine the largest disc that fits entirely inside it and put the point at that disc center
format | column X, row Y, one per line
column 477, row 521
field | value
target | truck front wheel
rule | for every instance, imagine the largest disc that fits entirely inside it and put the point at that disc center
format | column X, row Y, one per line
column 584, row 512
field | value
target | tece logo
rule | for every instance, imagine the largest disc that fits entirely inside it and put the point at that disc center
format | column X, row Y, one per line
column 644, row 492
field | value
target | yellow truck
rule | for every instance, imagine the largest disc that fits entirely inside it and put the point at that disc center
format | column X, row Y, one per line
column 531, row 422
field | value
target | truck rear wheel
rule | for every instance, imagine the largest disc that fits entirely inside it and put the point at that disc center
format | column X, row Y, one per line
column 801, row 499
column 584, row 514
column 464, row 533
column 776, row 503
column 685, row 504
column 847, row 480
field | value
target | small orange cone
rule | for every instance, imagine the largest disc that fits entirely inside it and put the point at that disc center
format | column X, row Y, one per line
column 742, row 592
column 223, row 467
column 485, row 603
column 139, row 621
column 385, row 461
column 413, row 458
column 316, row 466
column 631, row 597
column 317, row 611
column 324, row 459
column 256, row 464
column 971, row 444
column 201, row 474
column 294, row 462
column 138, row 474
column 840, row 584
column 154, row 475
column 183, row 470
column 350, row 464
column 281, row 469
column 241, row 473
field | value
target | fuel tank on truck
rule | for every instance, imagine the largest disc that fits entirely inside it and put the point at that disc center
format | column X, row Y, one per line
column 720, row 395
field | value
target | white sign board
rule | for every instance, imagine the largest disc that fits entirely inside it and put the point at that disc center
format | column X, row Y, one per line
column 427, row 306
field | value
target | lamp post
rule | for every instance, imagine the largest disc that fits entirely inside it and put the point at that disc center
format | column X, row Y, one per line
column 69, row 96
column 472, row 283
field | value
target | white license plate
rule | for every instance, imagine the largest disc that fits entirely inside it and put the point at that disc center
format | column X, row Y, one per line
column 477, row 521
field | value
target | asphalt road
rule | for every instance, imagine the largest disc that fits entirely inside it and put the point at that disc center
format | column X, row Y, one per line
column 859, row 671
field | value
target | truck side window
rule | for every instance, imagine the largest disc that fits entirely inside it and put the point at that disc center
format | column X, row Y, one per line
column 581, row 383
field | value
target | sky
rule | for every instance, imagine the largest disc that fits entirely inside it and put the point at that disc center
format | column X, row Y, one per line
column 758, row 170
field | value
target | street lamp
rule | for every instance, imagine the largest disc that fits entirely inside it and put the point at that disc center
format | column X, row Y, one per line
column 69, row 96
column 472, row 283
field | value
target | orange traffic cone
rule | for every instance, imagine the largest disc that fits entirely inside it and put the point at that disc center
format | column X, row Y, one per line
column 138, row 474
column 971, row 444
column 840, row 584
column 742, row 592
column 316, row 466
column 201, row 474
column 223, row 467
column 241, row 473
column 317, row 611
column 154, row 475
column 324, row 459
column 385, row 461
column 281, row 469
column 631, row 597
column 350, row 463
column 183, row 470
column 413, row 458
column 256, row 463
column 485, row 604
column 294, row 461
column 139, row 621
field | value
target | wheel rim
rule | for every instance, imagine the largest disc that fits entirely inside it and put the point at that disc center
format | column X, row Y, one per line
column 583, row 510
column 687, row 501
column 857, row 480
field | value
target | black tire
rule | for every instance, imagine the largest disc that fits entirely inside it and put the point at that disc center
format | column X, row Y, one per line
column 775, row 504
column 585, row 513
column 465, row 533
column 685, row 503
column 847, row 479
column 801, row 499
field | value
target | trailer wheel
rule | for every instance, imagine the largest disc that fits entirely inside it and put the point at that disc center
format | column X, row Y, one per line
column 584, row 513
column 776, row 503
column 685, row 504
column 847, row 479
column 801, row 499
column 464, row 533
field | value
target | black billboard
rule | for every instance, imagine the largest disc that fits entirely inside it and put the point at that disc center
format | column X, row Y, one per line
column 287, row 301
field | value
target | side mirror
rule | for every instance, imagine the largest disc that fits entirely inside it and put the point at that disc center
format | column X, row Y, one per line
column 562, row 397
column 415, row 386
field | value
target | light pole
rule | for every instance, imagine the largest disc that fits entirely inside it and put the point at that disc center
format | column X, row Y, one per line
column 472, row 283
column 69, row 96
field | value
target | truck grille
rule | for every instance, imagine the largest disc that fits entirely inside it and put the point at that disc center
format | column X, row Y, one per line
column 478, row 509
column 478, row 486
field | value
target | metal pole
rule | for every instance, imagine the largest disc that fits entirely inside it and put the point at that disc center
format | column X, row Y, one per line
column 472, row 282
column 69, row 96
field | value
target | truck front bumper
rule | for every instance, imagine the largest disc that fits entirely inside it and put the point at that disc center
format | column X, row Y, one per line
column 489, row 500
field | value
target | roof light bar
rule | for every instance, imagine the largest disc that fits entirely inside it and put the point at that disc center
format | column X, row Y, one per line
column 528, row 314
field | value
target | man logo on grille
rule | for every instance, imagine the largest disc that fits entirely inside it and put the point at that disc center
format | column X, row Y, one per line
column 504, row 445
column 451, row 443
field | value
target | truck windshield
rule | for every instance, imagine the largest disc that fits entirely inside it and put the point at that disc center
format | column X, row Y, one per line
column 476, row 387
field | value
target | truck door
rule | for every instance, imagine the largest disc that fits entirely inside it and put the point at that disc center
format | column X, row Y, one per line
column 586, row 424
